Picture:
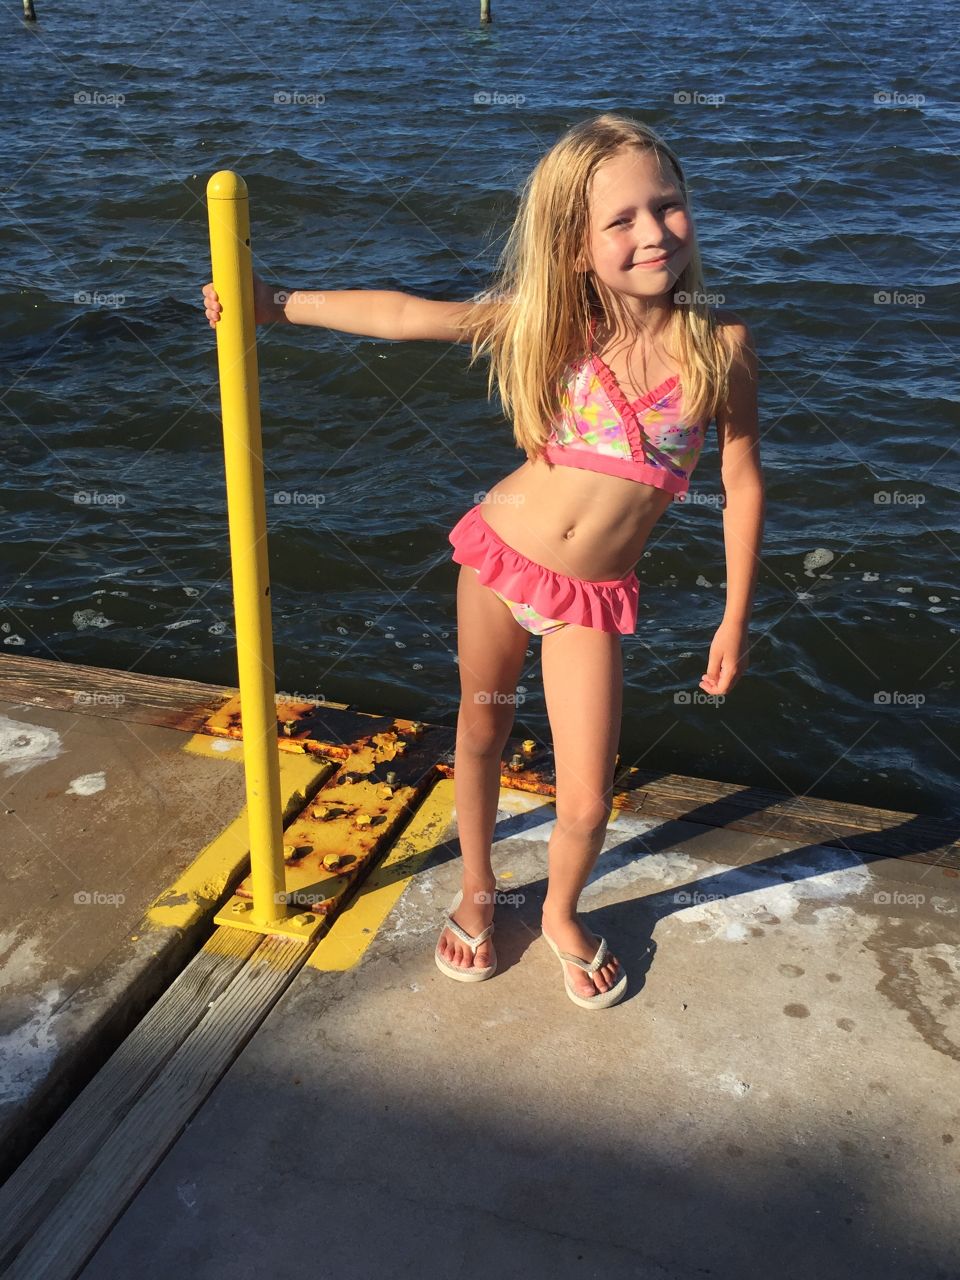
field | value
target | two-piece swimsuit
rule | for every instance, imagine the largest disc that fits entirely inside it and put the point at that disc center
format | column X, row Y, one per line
column 597, row 429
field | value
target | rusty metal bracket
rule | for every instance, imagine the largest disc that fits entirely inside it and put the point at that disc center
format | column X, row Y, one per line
column 330, row 846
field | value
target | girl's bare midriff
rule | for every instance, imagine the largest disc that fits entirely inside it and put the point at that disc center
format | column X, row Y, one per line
column 580, row 523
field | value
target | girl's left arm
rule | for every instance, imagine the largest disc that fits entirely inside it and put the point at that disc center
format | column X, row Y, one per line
column 738, row 439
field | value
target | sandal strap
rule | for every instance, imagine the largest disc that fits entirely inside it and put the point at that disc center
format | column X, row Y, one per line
column 462, row 934
column 588, row 966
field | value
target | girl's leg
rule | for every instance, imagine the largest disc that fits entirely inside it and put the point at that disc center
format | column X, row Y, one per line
column 491, row 649
column 583, row 684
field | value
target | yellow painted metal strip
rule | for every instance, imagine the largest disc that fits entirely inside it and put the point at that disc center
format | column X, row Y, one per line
column 356, row 926
column 198, row 890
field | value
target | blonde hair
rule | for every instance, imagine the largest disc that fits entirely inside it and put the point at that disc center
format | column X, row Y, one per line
column 534, row 320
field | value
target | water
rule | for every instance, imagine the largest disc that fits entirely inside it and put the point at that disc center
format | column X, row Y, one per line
column 375, row 168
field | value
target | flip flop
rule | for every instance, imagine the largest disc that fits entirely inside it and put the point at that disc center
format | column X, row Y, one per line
column 603, row 999
column 462, row 974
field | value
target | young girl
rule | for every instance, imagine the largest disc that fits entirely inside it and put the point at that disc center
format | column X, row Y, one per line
column 611, row 366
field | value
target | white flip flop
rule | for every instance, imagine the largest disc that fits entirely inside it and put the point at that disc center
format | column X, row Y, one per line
column 461, row 974
column 603, row 999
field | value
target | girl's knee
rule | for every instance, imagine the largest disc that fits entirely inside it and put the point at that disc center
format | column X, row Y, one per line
column 483, row 728
column 584, row 817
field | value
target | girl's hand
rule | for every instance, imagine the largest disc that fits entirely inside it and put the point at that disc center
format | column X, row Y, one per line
column 212, row 304
column 265, row 309
column 728, row 660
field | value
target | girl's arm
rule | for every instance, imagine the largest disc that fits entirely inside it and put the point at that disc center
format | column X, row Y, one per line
column 738, row 438
column 377, row 313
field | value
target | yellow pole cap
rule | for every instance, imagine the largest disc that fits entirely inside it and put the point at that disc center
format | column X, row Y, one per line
column 226, row 185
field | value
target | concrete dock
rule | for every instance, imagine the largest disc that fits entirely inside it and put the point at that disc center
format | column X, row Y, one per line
column 776, row 1095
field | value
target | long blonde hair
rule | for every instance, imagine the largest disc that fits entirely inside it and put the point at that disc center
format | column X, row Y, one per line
column 534, row 321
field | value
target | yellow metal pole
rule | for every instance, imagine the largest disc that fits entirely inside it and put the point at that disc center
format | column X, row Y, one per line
column 229, row 216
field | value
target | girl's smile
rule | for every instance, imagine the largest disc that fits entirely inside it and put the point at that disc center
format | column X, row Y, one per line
column 655, row 263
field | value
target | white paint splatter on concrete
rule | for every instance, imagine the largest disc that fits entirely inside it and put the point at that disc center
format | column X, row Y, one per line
column 23, row 745
column 223, row 744
column 88, row 784
column 734, row 898
column 733, row 1084
column 27, row 1049
column 187, row 1195
column 621, row 865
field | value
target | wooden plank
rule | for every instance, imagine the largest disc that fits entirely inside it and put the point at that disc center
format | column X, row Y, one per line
column 89, row 1207
column 171, row 703
column 886, row 833
column 146, row 699
column 36, row 1186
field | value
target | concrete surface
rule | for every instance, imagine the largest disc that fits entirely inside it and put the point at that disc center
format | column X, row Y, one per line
column 777, row 1094
column 97, row 818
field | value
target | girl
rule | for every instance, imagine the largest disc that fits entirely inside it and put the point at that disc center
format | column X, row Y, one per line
column 611, row 366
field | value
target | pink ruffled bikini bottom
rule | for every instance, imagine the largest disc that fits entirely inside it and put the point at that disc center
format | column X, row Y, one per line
column 540, row 599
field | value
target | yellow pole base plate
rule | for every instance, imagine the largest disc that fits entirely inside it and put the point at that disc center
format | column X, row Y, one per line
column 238, row 913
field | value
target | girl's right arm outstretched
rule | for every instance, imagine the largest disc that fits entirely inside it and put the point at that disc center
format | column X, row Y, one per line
column 377, row 313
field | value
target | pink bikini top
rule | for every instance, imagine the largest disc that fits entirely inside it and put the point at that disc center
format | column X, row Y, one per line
column 646, row 440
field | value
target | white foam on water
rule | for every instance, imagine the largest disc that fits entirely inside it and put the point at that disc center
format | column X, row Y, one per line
column 84, row 618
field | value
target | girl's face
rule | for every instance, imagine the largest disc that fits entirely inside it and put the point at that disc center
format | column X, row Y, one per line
column 637, row 215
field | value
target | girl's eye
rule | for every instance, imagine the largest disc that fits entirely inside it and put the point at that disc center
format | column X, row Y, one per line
column 671, row 204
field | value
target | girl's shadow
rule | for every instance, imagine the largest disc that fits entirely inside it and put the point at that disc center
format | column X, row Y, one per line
column 632, row 922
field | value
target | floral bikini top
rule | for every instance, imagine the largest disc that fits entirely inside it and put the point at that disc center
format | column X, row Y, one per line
column 646, row 439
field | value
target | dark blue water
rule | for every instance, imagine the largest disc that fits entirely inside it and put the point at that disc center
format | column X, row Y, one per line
column 825, row 184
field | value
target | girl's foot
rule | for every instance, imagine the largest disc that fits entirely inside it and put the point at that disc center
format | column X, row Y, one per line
column 570, row 935
column 474, row 913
